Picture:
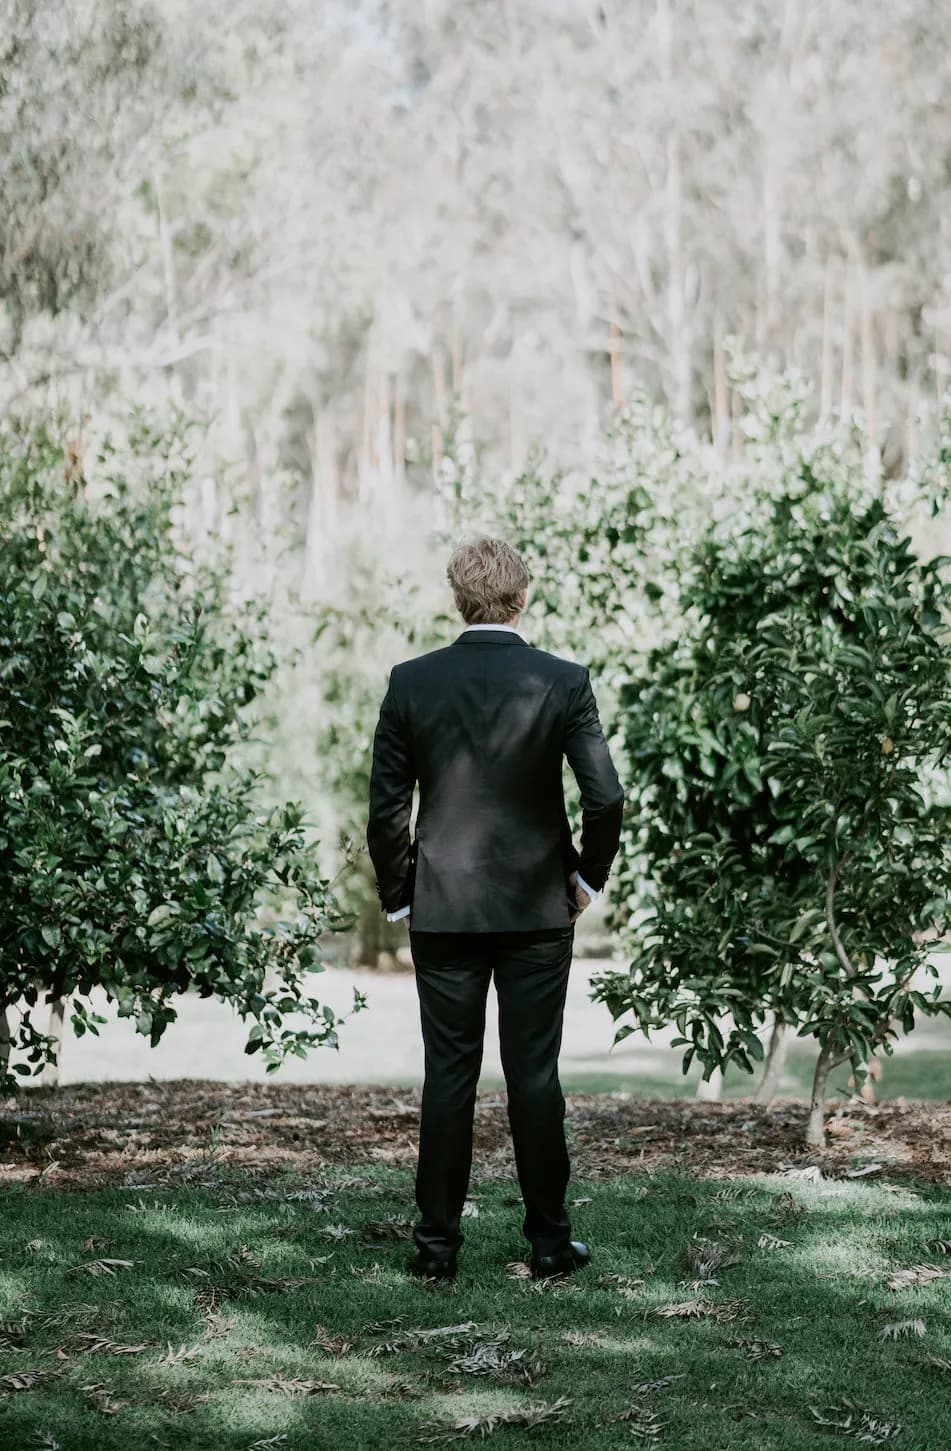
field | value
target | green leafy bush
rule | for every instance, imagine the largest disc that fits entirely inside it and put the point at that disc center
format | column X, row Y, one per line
column 134, row 854
column 786, row 747
column 774, row 656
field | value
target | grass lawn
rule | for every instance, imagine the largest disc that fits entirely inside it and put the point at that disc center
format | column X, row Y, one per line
column 924, row 1074
column 238, row 1311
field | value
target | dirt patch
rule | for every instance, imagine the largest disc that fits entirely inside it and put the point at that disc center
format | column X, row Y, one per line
column 99, row 1134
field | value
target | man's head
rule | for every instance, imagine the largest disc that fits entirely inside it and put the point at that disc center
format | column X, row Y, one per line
column 489, row 582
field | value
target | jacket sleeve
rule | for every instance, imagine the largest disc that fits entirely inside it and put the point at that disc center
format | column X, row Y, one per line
column 392, row 778
column 602, row 796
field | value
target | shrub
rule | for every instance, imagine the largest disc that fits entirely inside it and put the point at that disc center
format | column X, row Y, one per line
column 135, row 855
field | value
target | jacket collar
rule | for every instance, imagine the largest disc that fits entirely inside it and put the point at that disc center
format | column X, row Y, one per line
column 489, row 636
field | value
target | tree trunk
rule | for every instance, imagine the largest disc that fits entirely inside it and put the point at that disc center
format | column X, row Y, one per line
column 846, row 392
column 710, row 1090
column 376, row 941
column 868, row 359
column 828, row 1060
column 825, row 404
column 776, row 1055
column 678, row 324
column 323, row 518
column 617, row 387
column 399, row 430
column 57, row 1016
column 5, row 1040
column 721, row 405
column 369, row 937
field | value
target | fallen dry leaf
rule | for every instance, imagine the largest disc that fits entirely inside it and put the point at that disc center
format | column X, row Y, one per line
column 100, row 1267
column 902, row 1330
column 291, row 1387
column 528, row 1416
column 916, row 1275
column 25, row 1380
column 331, row 1344
column 101, row 1399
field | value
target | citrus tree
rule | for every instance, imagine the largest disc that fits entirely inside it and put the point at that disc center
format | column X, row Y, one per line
column 786, row 750
column 135, row 853
column 774, row 660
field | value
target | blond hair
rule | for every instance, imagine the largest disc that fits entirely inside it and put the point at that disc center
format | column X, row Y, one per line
column 488, row 581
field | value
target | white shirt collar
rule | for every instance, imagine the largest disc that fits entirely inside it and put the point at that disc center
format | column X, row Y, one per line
column 513, row 630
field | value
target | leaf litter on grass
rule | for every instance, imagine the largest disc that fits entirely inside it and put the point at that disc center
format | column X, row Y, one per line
column 757, row 1349
column 852, row 1420
column 291, row 1385
column 641, row 1419
column 707, row 1256
column 790, row 1210
column 86, row 1344
column 100, row 1267
column 26, row 1380
column 101, row 1399
column 491, row 1357
column 643, row 1422
column 335, row 1345
column 722, row 1311
column 771, row 1242
column 626, row 1285
column 903, row 1330
column 531, row 1417
column 917, row 1275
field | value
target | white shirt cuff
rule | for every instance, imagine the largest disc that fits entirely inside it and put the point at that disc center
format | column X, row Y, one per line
column 404, row 912
column 595, row 896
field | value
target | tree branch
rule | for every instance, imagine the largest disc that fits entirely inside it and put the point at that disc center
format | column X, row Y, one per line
column 837, row 942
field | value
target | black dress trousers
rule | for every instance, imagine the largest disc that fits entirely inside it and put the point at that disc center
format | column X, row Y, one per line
column 453, row 971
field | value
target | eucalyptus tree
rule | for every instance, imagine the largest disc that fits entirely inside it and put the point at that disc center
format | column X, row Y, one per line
column 323, row 225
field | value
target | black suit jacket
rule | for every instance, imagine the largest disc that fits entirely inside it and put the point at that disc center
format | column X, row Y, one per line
column 483, row 727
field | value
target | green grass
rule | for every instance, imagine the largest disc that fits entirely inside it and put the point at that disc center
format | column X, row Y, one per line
column 821, row 1297
column 923, row 1074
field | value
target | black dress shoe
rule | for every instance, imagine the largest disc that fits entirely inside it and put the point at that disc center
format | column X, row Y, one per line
column 561, row 1262
column 432, row 1267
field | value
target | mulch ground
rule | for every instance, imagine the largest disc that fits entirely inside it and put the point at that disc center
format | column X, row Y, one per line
column 94, row 1135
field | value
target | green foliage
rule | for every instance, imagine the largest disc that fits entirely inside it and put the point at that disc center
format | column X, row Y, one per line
column 384, row 620
column 134, row 854
column 241, row 1316
column 785, row 747
column 773, row 655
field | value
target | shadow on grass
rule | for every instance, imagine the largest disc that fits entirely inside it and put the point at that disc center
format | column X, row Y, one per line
column 230, row 1279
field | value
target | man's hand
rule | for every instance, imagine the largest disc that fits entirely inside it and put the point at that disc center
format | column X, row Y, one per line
column 579, row 896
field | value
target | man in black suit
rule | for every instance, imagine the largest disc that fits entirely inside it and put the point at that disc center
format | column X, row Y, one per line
column 491, row 884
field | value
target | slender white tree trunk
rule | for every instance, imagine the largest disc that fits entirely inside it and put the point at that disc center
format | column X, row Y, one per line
column 721, row 400
column 50, row 1077
column 828, row 1060
column 825, row 403
column 710, row 1090
column 868, row 358
column 776, row 1055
